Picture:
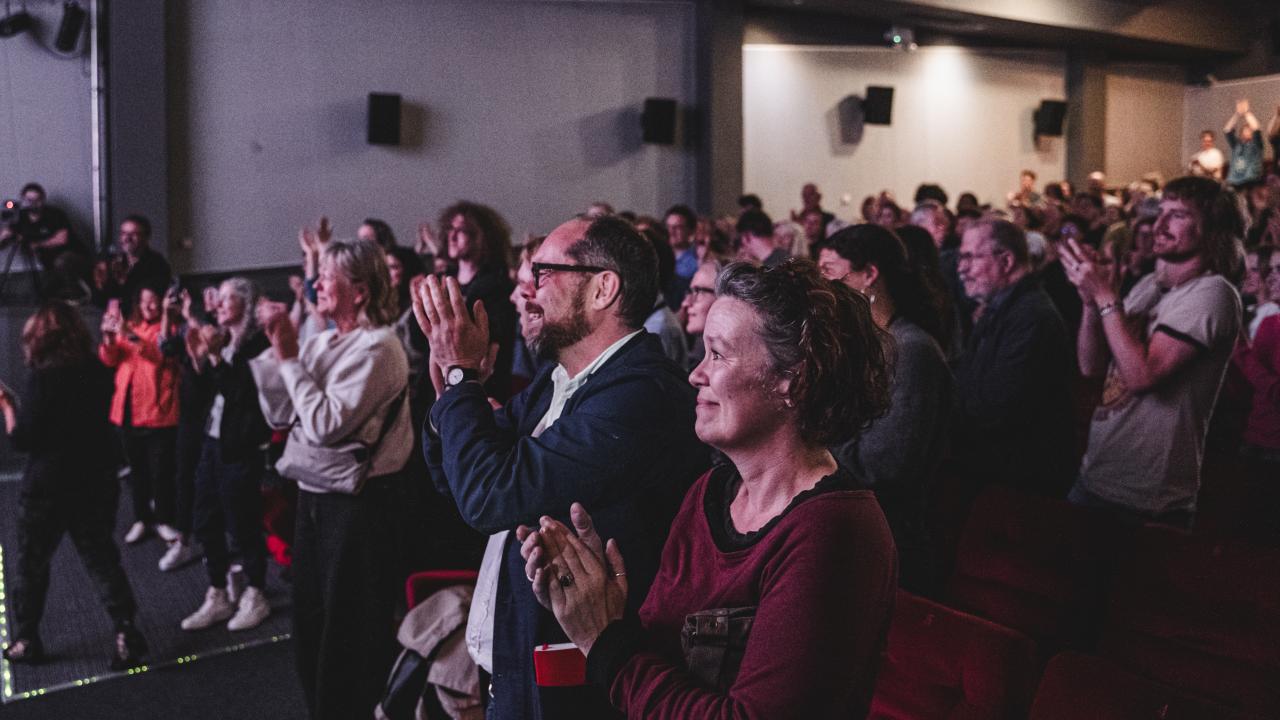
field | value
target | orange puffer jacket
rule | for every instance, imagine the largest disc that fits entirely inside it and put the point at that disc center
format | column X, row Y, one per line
column 144, row 377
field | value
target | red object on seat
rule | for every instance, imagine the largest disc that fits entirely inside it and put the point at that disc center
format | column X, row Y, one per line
column 1079, row 686
column 942, row 663
column 1201, row 615
column 1037, row 565
column 421, row 584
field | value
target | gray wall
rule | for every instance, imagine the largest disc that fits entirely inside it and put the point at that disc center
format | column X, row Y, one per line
column 45, row 123
column 1144, row 119
column 532, row 107
column 961, row 118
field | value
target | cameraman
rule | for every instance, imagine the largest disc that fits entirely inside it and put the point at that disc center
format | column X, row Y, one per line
column 45, row 230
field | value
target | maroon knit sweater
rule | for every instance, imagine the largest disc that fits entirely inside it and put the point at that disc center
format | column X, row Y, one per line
column 822, row 577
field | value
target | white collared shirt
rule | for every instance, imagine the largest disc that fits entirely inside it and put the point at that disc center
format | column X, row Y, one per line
column 480, row 618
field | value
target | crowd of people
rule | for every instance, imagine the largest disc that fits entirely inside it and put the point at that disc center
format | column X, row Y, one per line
column 704, row 450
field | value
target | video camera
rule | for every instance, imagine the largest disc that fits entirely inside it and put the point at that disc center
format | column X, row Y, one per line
column 10, row 213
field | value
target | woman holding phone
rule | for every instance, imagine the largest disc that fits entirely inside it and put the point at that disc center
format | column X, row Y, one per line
column 145, row 408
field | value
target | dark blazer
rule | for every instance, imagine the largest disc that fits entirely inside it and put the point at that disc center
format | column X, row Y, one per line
column 624, row 447
column 1013, row 390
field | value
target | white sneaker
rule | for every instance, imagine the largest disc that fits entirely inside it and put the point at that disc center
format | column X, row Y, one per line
column 178, row 554
column 252, row 611
column 236, row 582
column 167, row 533
column 136, row 533
column 215, row 609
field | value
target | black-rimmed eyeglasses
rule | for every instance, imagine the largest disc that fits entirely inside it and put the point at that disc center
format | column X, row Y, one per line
column 541, row 270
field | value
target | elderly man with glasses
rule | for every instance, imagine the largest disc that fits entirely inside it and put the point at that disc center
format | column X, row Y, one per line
column 608, row 422
column 1014, row 379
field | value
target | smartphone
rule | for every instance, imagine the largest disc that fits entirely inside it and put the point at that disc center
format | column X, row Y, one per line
column 9, row 391
column 175, row 287
column 113, row 306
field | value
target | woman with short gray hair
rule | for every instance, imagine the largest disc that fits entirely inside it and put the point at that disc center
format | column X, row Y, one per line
column 230, row 460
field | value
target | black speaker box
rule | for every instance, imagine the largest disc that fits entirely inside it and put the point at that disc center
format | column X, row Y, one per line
column 384, row 119
column 70, row 29
column 658, row 121
column 1049, row 117
column 877, row 107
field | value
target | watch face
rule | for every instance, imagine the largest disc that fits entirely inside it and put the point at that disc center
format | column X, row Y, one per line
column 455, row 376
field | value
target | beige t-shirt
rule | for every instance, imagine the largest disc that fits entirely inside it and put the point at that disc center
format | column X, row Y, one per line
column 1145, row 449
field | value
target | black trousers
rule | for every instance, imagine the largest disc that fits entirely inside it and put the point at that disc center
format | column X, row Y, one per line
column 228, row 499
column 190, row 438
column 347, row 578
column 43, row 518
column 151, row 452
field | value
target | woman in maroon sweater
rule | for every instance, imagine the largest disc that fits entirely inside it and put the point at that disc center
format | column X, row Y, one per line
column 777, row 580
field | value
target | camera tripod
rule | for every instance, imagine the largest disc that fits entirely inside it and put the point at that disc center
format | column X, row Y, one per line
column 16, row 245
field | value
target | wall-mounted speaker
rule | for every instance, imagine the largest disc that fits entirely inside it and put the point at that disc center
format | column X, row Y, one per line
column 70, row 29
column 877, row 107
column 384, row 119
column 1048, row 118
column 658, row 121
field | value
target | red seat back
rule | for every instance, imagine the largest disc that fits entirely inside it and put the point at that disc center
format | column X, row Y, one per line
column 1037, row 565
column 421, row 584
column 1200, row 614
column 942, row 663
column 1079, row 686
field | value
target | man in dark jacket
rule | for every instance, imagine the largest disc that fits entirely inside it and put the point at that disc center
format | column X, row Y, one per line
column 1014, row 380
column 610, row 426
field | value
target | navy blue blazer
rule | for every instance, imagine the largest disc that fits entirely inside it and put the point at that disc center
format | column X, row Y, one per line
column 624, row 447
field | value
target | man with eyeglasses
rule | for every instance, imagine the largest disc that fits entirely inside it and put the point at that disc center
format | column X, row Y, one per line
column 1014, row 378
column 608, row 423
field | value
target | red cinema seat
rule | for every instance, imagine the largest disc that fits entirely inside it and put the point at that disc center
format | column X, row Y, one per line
column 1201, row 615
column 1037, row 565
column 1079, row 686
column 420, row 585
column 942, row 663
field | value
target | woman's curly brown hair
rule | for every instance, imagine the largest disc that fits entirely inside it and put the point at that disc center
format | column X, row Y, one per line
column 820, row 334
column 56, row 336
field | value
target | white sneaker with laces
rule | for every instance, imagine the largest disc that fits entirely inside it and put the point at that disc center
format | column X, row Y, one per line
column 136, row 533
column 178, row 554
column 215, row 609
column 236, row 582
column 253, row 609
column 168, row 533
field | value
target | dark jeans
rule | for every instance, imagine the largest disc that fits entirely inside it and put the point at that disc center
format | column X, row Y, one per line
column 43, row 518
column 190, row 438
column 150, row 452
column 228, row 499
column 347, row 577
column 1181, row 519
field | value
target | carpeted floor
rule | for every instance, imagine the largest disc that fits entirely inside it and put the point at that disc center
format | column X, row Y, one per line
column 77, row 632
column 252, row 684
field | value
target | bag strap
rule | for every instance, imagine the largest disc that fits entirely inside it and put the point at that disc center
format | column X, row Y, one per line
column 392, row 412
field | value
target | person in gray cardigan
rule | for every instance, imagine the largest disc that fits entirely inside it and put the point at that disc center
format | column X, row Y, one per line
column 898, row 455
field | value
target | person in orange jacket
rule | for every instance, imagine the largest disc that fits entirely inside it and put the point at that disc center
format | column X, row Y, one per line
column 145, row 408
